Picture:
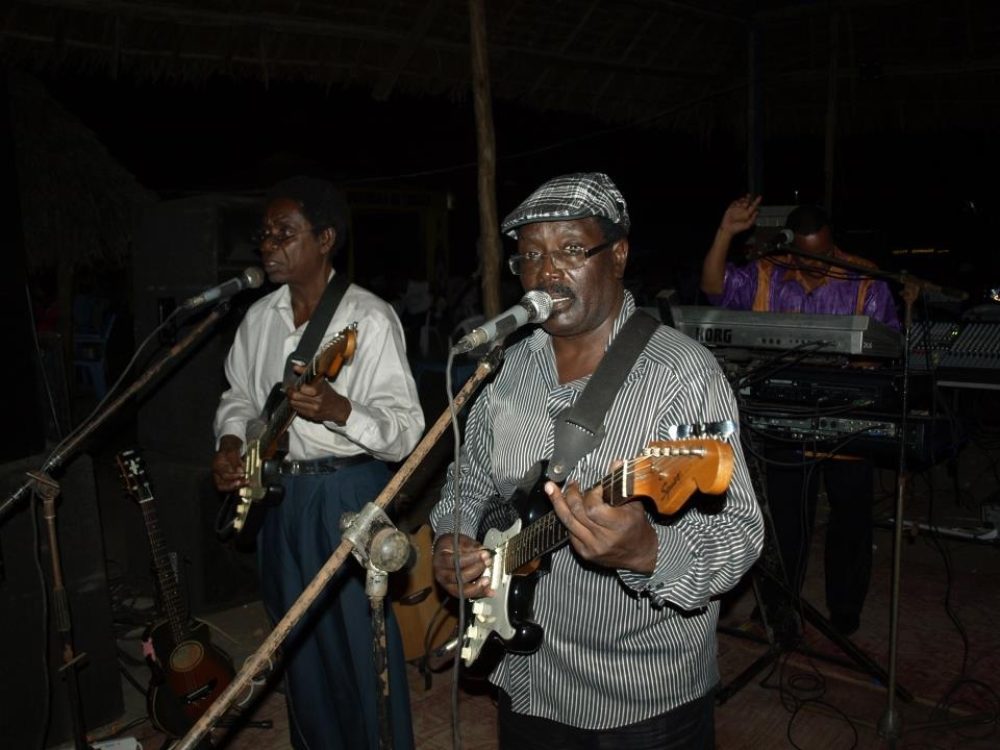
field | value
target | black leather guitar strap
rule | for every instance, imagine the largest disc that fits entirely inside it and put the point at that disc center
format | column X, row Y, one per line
column 317, row 325
column 580, row 428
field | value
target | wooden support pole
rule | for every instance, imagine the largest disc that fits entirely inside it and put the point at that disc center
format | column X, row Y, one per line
column 831, row 112
column 489, row 232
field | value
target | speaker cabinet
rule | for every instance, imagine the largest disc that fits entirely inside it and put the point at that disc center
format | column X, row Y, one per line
column 28, row 629
column 182, row 248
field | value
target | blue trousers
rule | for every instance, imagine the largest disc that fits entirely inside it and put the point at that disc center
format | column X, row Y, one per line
column 330, row 677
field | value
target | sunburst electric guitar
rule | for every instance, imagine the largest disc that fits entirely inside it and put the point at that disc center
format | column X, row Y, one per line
column 188, row 671
column 262, row 458
column 667, row 472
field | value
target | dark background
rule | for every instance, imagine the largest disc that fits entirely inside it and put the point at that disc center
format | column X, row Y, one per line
column 208, row 146
column 894, row 190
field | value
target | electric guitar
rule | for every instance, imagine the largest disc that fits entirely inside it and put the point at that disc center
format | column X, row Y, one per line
column 667, row 472
column 188, row 672
column 262, row 458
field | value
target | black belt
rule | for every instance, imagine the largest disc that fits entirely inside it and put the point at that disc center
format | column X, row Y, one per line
column 323, row 465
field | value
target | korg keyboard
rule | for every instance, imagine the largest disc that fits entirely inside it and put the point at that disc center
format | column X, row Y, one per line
column 821, row 334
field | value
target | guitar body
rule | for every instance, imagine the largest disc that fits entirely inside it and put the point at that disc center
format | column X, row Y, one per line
column 667, row 472
column 244, row 511
column 187, row 676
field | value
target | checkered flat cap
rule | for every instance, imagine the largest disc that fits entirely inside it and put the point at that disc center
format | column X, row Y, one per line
column 571, row 196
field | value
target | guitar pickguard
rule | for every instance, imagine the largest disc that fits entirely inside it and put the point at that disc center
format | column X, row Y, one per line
column 490, row 613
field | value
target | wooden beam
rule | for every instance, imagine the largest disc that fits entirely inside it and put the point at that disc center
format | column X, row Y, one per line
column 831, row 112
column 489, row 224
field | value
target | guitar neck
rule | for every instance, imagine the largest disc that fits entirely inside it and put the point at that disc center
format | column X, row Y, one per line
column 283, row 413
column 172, row 601
column 548, row 534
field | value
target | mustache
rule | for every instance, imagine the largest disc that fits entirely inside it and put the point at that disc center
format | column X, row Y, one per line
column 556, row 290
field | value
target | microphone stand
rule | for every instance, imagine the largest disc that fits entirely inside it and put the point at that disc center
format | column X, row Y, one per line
column 42, row 483
column 370, row 513
column 903, row 278
column 890, row 725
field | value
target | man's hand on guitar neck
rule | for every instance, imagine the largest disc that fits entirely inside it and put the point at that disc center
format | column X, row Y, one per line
column 227, row 466
column 318, row 402
column 473, row 561
column 614, row 537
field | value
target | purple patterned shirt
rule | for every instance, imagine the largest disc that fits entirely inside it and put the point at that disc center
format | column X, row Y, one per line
column 773, row 287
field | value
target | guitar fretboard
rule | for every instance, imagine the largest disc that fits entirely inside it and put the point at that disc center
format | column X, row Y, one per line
column 548, row 533
column 167, row 578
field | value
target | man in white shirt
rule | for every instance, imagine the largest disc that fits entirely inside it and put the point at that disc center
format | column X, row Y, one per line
column 343, row 432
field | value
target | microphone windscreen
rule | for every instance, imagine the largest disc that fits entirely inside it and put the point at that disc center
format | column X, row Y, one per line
column 254, row 277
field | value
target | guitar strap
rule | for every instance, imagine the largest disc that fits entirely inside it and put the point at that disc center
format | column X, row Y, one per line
column 580, row 428
column 317, row 325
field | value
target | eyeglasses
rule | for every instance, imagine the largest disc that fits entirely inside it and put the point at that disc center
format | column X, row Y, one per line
column 567, row 259
column 278, row 237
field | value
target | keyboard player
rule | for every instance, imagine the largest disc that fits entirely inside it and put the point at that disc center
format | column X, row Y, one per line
column 787, row 283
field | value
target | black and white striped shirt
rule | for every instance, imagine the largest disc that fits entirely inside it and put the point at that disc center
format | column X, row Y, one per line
column 619, row 647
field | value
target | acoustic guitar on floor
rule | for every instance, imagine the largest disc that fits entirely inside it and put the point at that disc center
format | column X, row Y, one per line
column 188, row 671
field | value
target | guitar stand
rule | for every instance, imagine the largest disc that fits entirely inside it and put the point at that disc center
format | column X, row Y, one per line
column 382, row 549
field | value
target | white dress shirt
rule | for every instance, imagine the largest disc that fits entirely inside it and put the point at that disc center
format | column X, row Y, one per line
column 386, row 420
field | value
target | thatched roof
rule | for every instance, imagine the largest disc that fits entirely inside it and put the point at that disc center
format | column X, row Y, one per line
column 77, row 202
column 910, row 65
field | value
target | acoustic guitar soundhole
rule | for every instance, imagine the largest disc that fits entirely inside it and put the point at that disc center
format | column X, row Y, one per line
column 186, row 656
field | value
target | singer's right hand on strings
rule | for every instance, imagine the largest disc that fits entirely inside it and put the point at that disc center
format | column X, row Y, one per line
column 741, row 214
column 473, row 560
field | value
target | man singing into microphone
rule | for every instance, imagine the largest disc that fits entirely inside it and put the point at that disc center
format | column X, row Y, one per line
column 784, row 283
column 343, row 432
column 629, row 607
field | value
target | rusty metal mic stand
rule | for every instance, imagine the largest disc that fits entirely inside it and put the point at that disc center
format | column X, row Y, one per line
column 72, row 661
column 256, row 661
column 382, row 549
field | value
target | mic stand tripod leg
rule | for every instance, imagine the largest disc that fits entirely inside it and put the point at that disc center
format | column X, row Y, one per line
column 49, row 491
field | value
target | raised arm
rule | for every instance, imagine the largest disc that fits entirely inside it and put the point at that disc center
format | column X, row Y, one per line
column 740, row 215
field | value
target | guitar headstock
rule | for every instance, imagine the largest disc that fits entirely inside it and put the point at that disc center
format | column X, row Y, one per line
column 133, row 472
column 332, row 356
column 670, row 471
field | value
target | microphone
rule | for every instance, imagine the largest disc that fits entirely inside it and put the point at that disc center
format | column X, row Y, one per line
column 781, row 239
column 251, row 278
column 534, row 307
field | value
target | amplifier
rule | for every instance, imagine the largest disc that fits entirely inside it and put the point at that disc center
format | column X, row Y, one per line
column 874, row 436
column 877, row 389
